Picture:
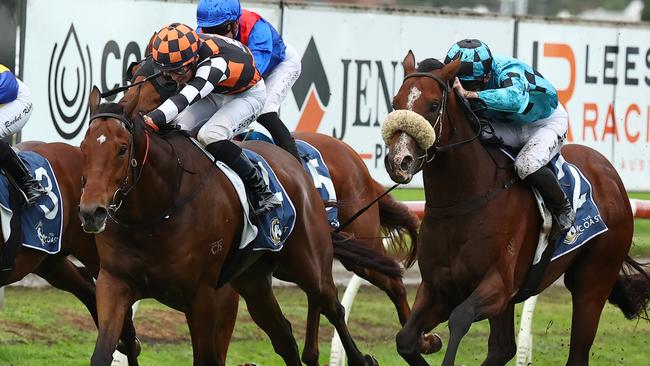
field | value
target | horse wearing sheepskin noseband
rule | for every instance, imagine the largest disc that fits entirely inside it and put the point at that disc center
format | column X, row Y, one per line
column 410, row 123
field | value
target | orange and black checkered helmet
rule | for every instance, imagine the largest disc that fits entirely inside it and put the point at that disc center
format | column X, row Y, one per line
column 175, row 46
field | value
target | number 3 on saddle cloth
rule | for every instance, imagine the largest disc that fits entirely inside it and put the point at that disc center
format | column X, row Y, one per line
column 38, row 226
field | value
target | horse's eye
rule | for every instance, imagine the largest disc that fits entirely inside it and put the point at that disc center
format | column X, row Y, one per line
column 122, row 151
column 434, row 107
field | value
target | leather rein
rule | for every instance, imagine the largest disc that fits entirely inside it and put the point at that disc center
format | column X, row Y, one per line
column 135, row 171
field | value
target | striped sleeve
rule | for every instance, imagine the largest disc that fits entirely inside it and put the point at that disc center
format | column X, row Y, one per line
column 8, row 85
column 209, row 73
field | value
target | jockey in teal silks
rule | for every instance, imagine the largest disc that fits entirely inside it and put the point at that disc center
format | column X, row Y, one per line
column 279, row 63
column 525, row 113
column 15, row 110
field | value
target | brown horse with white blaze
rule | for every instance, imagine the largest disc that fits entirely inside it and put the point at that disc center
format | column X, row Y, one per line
column 355, row 189
column 176, row 218
column 479, row 231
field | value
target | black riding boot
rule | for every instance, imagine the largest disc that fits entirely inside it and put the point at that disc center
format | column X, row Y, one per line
column 548, row 186
column 280, row 133
column 262, row 200
column 19, row 176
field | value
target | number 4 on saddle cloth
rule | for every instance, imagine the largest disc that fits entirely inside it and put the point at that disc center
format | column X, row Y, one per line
column 38, row 226
column 314, row 165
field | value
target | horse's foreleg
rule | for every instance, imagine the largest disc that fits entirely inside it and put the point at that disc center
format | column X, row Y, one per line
column 335, row 313
column 393, row 287
column 501, row 344
column 201, row 319
column 226, row 300
column 396, row 291
column 64, row 275
column 255, row 287
column 425, row 315
column 114, row 298
column 310, row 352
column 486, row 301
column 59, row 272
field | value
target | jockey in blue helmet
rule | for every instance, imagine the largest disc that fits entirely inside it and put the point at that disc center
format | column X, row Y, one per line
column 15, row 110
column 278, row 62
column 525, row 113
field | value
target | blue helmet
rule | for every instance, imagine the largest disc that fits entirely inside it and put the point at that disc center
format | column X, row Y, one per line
column 210, row 13
column 475, row 59
column 254, row 135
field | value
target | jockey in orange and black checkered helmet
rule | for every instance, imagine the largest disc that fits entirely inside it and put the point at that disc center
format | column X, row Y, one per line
column 223, row 93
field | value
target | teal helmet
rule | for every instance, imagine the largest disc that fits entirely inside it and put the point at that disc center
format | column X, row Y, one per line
column 475, row 59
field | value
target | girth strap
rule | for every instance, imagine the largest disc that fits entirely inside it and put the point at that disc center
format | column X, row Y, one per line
column 468, row 206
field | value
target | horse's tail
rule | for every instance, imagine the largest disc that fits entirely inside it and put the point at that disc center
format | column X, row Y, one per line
column 397, row 220
column 631, row 292
column 350, row 252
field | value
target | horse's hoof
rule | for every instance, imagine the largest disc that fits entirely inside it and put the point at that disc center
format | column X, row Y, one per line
column 370, row 361
column 430, row 343
column 122, row 347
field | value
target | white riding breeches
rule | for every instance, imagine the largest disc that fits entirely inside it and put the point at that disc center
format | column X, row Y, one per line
column 14, row 115
column 281, row 79
column 539, row 141
column 220, row 117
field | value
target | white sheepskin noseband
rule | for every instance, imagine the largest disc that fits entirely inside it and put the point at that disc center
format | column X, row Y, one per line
column 411, row 123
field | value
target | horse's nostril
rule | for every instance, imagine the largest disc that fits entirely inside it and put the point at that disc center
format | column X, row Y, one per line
column 100, row 213
column 406, row 162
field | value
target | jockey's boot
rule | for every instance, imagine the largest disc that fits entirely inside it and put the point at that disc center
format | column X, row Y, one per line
column 261, row 199
column 19, row 175
column 279, row 132
column 549, row 187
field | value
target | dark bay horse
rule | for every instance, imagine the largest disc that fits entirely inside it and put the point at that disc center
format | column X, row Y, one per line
column 479, row 234
column 174, row 220
column 57, row 269
column 355, row 188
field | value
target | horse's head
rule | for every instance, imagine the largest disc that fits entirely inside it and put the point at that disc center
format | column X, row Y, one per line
column 152, row 92
column 417, row 123
column 109, row 161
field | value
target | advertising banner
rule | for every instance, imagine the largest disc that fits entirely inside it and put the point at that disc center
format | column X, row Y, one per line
column 92, row 45
column 352, row 68
column 631, row 155
column 602, row 73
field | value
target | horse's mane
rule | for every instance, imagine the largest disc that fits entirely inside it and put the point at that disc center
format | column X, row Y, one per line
column 429, row 64
column 114, row 108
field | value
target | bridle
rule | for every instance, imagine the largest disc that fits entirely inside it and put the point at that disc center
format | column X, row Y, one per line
column 473, row 203
column 136, row 170
column 431, row 153
column 124, row 188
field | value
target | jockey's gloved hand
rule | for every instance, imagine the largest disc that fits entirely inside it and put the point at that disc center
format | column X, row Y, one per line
column 159, row 127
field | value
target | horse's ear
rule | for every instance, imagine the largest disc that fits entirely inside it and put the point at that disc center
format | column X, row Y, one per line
column 409, row 63
column 94, row 99
column 147, row 50
column 132, row 69
column 450, row 70
column 131, row 104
